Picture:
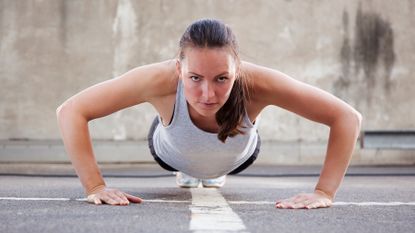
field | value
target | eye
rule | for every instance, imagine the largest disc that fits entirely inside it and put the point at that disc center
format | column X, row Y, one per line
column 222, row 79
column 195, row 78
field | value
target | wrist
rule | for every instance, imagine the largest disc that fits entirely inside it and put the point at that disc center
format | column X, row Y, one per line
column 324, row 193
column 95, row 189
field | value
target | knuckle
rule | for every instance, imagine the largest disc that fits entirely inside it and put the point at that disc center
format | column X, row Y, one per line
column 119, row 193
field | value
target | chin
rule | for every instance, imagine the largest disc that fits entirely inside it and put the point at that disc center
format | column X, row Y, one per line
column 206, row 113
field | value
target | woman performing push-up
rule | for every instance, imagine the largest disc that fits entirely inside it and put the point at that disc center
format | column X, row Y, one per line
column 207, row 101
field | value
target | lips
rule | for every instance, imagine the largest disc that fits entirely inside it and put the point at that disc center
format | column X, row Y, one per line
column 208, row 105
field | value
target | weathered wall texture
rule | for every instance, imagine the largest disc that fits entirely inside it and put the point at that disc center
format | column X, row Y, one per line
column 360, row 51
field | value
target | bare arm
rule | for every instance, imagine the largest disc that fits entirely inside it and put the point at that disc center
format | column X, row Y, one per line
column 131, row 88
column 317, row 105
column 75, row 135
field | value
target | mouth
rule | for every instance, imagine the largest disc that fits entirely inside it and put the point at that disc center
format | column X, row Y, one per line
column 208, row 105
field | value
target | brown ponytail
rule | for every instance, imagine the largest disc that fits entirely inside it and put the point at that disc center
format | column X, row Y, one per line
column 213, row 33
column 230, row 116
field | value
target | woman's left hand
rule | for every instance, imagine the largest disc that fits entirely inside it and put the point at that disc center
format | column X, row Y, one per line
column 318, row 199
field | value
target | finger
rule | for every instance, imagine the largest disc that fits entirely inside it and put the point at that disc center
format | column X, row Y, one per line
column 133, row 199
column 289, row 205
column 90, row 198
column 285, row 205
column 329, row 203
column 299, row 205
column 111, row 196
column 123, row 197
column 109, row 200
column 316, row 204
column 311, row 205
column 307, row 202
column 290, row 202
column 279, row 206
column 324, row 204
column 300, row 196
column 116, row 198
column 97, row 201
column 93, row 199
column 301, row 199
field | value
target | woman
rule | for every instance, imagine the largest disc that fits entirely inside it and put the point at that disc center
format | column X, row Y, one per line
column 207, row 101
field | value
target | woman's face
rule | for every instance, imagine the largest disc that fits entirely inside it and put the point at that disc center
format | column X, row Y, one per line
column 208, row 75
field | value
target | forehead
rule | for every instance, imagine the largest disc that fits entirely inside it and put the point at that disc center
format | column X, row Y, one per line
column 208, row 59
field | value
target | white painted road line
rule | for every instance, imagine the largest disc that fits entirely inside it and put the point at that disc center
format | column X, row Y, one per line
column 252, row 202
column 211, row 213
column 80, row 199
column 34, row 199
column 165, row 201
column 393, row 203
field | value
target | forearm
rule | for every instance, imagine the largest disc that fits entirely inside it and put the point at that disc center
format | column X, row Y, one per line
column 341, row 143
column 77, row 141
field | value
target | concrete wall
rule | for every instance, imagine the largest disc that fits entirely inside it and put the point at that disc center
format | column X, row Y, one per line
column 360, row 51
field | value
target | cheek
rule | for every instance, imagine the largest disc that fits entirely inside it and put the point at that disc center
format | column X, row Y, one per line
column 192, row 93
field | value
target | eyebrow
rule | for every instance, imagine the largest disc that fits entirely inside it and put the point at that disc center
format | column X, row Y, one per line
column 226, row 72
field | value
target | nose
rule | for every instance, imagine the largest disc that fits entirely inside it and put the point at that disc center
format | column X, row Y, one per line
column 208, row 92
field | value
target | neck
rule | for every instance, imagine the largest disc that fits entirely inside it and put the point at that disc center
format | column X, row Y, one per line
column 205, row 123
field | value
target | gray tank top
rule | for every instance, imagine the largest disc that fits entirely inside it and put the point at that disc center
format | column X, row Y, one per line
column 198, row 153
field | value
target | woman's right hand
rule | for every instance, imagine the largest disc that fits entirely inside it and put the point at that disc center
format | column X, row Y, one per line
column 112, row 197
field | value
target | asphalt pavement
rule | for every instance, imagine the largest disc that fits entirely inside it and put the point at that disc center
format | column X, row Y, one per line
column 49, row 198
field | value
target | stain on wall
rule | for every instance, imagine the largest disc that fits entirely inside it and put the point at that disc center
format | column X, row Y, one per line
column 373, row 44
column 371, row 53
column 345, row 55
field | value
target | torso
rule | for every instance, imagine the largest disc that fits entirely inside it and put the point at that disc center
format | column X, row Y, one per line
column 165, row 104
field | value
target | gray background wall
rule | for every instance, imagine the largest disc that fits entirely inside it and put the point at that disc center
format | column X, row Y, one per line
column 360, row 51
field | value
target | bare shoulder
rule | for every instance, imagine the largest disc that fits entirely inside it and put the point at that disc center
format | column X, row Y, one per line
column 273, row 87
column 154, row 80
column 142, row 84
column 268, row 86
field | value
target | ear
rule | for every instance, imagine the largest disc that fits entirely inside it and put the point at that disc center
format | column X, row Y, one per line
column 178, row 67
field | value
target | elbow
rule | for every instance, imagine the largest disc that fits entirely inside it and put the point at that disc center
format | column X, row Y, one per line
column 348, row 120
column 68, row 111
column 63, row 110
column 354, row 121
